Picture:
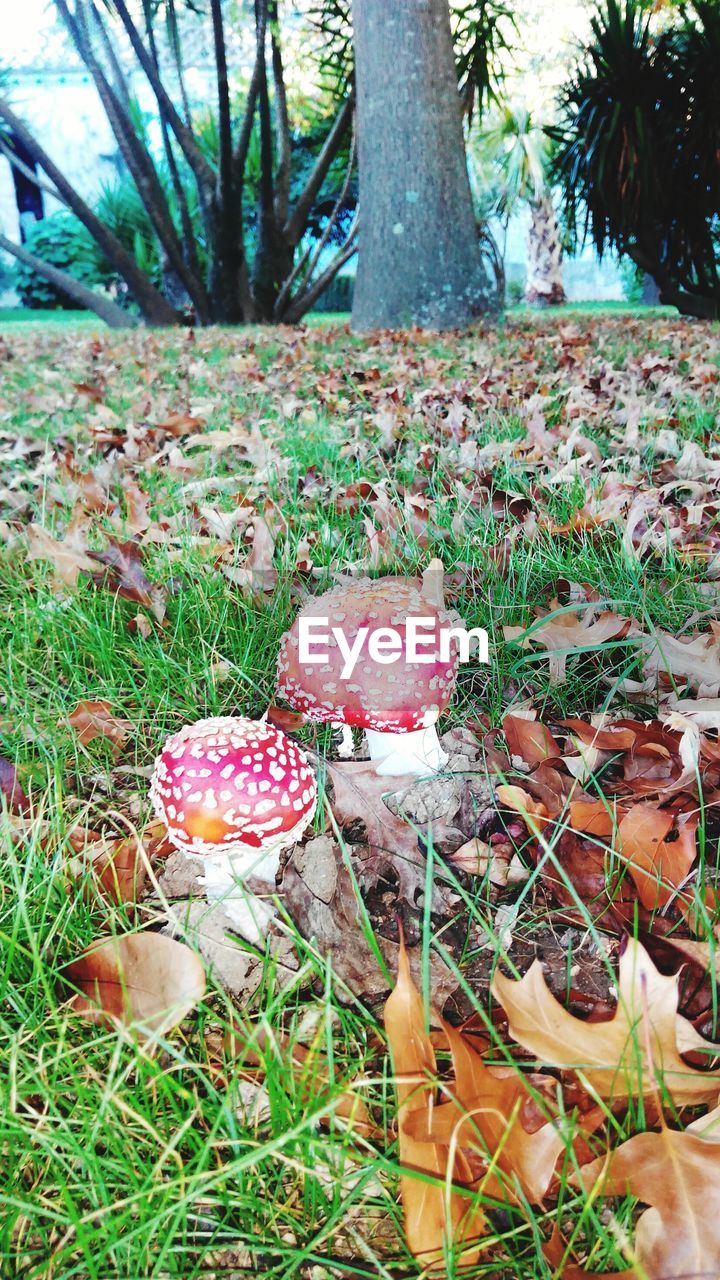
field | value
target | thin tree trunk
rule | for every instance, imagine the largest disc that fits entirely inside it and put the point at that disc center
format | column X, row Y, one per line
column 297, row 221
column 544, row 282
column 135, row 154
column 105, row 308
column 419, row 261
column 194, row 156
column 273, row 259
column 189, row 246
column 229, row 290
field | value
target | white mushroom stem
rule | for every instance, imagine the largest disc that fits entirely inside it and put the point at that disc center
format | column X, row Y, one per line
column 346, row 745
column 224, row 886
column 418, row 752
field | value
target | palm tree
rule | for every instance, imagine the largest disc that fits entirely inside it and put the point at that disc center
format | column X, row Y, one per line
column 519, row 151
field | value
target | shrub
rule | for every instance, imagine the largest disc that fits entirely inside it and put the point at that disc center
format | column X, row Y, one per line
column 61, row 240
column 638, row 146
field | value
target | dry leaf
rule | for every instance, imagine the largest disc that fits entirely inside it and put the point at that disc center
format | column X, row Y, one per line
column 533, row 811
column 612, row 1055
column 568, row 632
column 141, row 980
column 96, row 720
column 69, row 557
column 529, row 739
column 426, row 1204
column 10, row 789
column 657, row 865
column 486, row 1116
column 678, row 1175
column 127, row 577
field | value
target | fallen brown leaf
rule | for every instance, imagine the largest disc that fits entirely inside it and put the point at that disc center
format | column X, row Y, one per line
column 678, row 1175
column 434, row 1214
column 10, row 789
column 68, row 557
column 612, row 1056
column 141, row 980
column 96, row 720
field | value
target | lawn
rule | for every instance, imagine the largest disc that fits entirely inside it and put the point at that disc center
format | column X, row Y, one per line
column 564, row 466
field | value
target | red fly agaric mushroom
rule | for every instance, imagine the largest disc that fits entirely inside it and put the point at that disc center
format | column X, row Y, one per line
column 234, row 792
column 348, row 659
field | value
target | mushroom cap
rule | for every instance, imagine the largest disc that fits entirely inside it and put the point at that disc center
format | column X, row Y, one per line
column 396, row 697
column 230, row 785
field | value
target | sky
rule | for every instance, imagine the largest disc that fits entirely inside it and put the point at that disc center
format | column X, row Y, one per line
column 546, row 29
column 23, row 32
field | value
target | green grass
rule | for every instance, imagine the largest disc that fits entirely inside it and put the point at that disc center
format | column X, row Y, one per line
column 11, row 316
column 117, row 1164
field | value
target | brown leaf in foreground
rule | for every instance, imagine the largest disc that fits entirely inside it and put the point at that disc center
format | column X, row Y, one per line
column 658, row 865
column 68, row 557
column 555, row 1252
column 126, row 575
column 529, row 739
column 612, row 1055
column 426, row 1203
column 486, row 1116
column 141, row 980
column 10, row 788
column 678, row 1175
column 96, row 720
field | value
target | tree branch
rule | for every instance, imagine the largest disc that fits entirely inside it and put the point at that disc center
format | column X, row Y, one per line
column 267, row 184
column 105, row 308
column 303, row 301
column 313, row 257
column 194, row 156
column 155, row 308
column 282, row 123
column 28, row 173
column 188, row 231
column 296, row 223
column 225, row 171
column 136, row 155
column 243, row 143
column 110, row 54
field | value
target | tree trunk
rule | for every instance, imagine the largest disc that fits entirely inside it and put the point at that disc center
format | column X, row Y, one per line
column 419, row 258
column 544, row 284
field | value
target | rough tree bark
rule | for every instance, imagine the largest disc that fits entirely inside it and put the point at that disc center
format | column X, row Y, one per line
column 544, row 284
column 419, row 260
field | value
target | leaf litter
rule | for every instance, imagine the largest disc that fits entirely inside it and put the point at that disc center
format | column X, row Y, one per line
column 607, row 818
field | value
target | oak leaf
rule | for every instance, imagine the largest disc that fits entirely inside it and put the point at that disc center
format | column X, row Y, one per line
column 434, row 1214
column 529, row 739
column 678, row 1175
column 486, row 1116
column 68, row 557
column 10, row 789
column 126, row 575
column 141, row 980
column 612, row 1056
column 358, row 797
column 564, row 632
column 658, row 865
column 96, row 720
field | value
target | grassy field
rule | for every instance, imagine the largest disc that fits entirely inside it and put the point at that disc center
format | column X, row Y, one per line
column 117, row 1163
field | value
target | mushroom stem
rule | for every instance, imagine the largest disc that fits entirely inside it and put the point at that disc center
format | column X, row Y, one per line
column 418, row 752
column 224, row 887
